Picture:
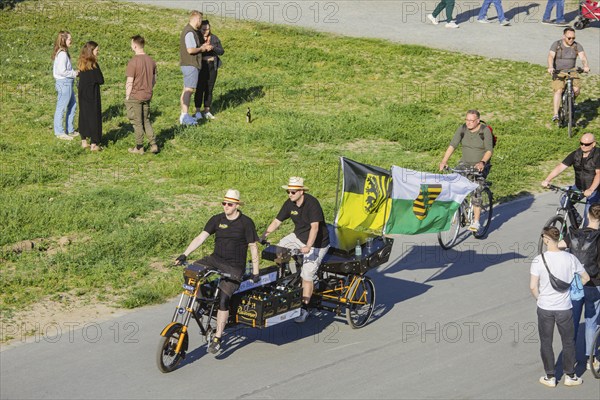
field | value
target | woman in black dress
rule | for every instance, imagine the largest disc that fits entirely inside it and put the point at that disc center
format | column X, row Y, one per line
column 90, row 107
column 211, row 49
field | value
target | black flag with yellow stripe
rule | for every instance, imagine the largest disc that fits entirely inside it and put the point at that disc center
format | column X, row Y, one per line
column 366, row 195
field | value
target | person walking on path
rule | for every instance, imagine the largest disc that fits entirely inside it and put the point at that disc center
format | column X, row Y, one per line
column 88, row 96
column 449, row 6
column 211, row 50
column 560, row 13
column 482, row 18
column 64, row 76
column 190, row 63
column 554, row 307
column 141, row 78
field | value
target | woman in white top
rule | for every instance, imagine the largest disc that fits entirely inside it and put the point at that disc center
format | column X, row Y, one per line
column 554, row 307
column 65, row 78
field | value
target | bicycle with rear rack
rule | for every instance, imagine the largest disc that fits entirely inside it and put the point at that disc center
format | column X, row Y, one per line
column 566, row 111
column 463, row 217
column 566, row 215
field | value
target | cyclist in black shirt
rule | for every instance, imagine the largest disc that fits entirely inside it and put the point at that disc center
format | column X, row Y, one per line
column 234, row 233
column 586, row 163
column 310, row 234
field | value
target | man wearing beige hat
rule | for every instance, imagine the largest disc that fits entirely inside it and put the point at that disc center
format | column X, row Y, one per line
column 234, row 233
column 310, row 234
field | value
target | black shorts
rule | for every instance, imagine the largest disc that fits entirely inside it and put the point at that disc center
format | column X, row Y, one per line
column 227, row 285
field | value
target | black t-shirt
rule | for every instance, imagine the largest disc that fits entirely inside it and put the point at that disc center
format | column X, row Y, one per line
column 232, row 238
column 310, row 211
column 585, row 169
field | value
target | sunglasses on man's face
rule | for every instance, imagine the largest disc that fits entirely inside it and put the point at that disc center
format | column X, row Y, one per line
column 228, row 204
column 586, row 144
column 570, row 37
column 291, row 191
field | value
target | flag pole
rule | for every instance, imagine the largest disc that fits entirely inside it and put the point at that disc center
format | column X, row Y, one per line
column 337, row 192
column 386, row 203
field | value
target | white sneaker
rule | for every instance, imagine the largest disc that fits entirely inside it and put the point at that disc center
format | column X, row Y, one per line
column 483, row 21
column 574, row 381
column 474, row 227
column 186, row 119
column 506, row 22
column 198, row 115
column 64, row 137
column 596, row 365
column 451, row 25
column 302, row 317
column 432, row 19
column 550, row 382
column 208, row 115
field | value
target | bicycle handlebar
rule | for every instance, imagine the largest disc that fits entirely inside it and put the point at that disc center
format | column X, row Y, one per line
column 207, row 271
column 575, row 195
column 465, row 171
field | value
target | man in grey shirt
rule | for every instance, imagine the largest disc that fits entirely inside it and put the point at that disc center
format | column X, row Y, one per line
column 477, row 148
column 562, row 56
column 190, row 47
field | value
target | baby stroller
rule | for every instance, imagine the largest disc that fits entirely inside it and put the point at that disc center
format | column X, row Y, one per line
column 588, row 10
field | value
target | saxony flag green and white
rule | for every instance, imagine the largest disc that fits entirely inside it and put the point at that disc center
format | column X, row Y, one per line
column 423, row 202
column 365, row 196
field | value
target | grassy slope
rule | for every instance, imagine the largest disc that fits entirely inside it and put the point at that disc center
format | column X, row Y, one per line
column 314, row 98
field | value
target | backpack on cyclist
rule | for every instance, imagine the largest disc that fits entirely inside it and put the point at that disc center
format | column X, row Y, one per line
column 584, row 246
column 494, row 138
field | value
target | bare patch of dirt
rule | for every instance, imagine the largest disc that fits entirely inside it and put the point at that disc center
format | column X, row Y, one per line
column 50, row 317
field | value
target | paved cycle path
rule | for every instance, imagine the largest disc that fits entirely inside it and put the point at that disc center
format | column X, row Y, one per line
column 526, row 39
column 448, row 324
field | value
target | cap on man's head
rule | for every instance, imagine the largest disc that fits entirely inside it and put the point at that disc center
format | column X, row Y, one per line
column 232, row 196
column 295, row 183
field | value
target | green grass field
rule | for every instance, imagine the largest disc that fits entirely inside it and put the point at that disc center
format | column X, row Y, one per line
column 106, row 226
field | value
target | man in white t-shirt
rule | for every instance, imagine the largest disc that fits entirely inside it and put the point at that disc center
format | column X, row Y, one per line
column 554, row 307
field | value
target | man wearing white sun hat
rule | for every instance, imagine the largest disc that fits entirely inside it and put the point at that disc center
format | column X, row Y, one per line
column 310, row 234
column 234, row 234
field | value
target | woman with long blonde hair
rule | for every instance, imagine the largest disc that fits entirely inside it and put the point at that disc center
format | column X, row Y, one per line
column 64, row 76
column 90, row 106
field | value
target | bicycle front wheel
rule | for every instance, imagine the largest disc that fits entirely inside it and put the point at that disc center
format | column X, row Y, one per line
column 557, row 221
column 570, row 116
column 448, row 238
column 485, row 218
column 596, row 351
column 360, row 305
column 168, row 358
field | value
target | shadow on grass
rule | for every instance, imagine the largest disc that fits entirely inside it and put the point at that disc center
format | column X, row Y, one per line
column 237, row 97
column 588, row 111
column 114, row 135
column 115, row 110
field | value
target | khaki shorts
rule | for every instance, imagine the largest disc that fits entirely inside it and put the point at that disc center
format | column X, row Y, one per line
column 558, row 83
column 311, row 261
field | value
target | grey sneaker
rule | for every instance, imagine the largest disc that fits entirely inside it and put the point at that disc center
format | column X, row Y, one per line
column 483, row 21
column 135, row 150
column 574, row 381
column 506, row 22
column 302, row 317
column 431, row 18
column 214, row 346
column 452, row 25
column 208, row 115
column 550, row 382
column 64, row 137
column 555, row 118
column 198, row 115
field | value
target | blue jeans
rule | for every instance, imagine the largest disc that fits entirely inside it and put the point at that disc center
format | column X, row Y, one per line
column 560, row 10
column 486, row 5
column 65, row 103
column 594, row 198
column 577, row 310
column 591, row 314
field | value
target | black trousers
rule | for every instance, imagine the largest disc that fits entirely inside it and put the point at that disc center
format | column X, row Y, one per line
column 206, row 84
